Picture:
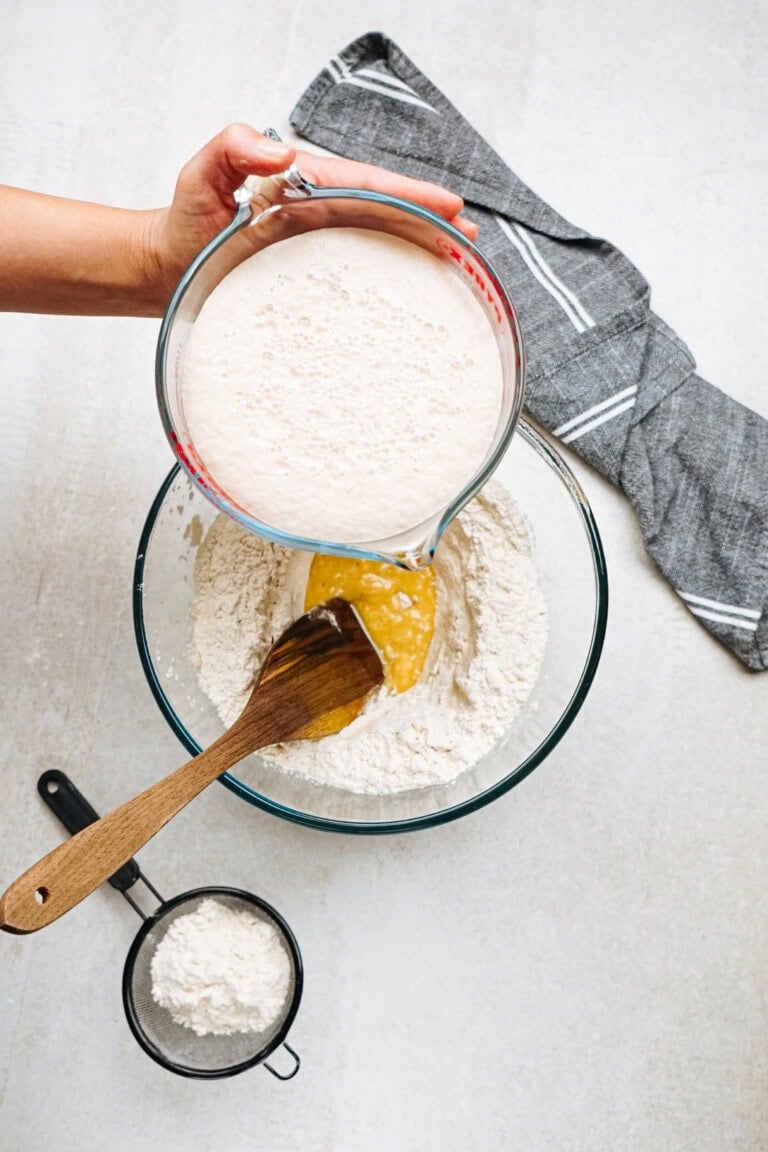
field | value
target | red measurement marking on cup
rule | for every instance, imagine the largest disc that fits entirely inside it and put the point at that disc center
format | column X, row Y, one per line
column 456, row 254
column 190, row 462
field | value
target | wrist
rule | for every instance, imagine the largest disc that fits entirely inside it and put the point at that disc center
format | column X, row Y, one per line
column 156, row 277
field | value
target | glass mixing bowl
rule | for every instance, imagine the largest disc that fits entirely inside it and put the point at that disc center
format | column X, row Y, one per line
column 288, row 205
column 569, row 557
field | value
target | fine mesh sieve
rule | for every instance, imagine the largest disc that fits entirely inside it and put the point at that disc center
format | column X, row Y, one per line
column 175, row 1047
column 179, row 1048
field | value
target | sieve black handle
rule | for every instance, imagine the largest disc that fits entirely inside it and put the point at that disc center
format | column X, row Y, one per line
column 75, row 813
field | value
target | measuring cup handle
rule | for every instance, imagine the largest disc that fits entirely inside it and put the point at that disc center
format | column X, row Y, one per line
column 296, row 1065
column 262, row 192
column 75, row 813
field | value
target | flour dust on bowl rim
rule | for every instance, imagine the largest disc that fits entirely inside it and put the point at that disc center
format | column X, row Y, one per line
column 569, row 557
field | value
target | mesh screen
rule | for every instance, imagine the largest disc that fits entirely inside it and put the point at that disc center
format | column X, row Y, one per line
column 176, row 1044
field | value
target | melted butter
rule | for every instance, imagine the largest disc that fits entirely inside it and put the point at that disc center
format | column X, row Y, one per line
column 396, row 607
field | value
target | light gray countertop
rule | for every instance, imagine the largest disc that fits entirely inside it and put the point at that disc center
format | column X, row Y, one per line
column 583, row 964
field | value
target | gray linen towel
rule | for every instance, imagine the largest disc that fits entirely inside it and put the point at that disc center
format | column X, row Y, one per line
column 605, row 374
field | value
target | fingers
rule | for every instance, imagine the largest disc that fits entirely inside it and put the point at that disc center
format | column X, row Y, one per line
column 335, row 172
column 340, row 173
column 220, row 167
column 239, row 151
column 470, row 230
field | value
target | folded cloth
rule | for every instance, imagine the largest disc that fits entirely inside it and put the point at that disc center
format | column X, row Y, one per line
column 605, row 374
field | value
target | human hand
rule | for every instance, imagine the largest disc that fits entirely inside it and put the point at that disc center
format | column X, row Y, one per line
column 203, row 201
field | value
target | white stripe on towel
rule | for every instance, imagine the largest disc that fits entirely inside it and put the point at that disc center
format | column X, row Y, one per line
column 527, row 239
column 546, row 283
column 609, row 415
column 731, row 609
column 603, row 412
column 342, row 75
column 732, row 621
column 403, row 97
column 615, row 399
column 384, row 78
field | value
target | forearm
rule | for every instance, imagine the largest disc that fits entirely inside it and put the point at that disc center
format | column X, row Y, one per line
column 68, row 256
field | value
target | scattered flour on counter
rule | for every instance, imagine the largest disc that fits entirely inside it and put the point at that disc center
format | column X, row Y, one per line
column 487, row 649
column 220, row 970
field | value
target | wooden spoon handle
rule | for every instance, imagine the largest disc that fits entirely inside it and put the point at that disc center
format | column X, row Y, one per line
column 76, row 867
column 322, row 662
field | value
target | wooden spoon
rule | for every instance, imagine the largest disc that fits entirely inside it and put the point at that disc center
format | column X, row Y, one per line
column 313, row 682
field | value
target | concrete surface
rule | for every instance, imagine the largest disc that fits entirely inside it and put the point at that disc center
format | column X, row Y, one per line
column 583, row 964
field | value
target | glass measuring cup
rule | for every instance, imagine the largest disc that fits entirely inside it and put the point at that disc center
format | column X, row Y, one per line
column 285, row 206
column 176, row 1048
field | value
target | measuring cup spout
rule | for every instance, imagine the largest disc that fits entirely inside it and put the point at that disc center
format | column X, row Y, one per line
column 418, row 559
column 415, row 554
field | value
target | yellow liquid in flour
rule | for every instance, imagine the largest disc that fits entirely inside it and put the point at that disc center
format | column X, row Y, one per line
column 396, row 607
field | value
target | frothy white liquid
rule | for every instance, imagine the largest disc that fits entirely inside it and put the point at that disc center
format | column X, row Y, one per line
column 342, row 385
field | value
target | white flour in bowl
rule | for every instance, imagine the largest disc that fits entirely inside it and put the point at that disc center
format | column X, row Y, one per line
column 487, row 649
column 342, row 385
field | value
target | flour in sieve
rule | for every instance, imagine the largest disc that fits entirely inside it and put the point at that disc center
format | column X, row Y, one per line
column 220, row 970
column 486, row 653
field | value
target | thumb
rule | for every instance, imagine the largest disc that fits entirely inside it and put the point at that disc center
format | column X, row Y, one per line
column 238, row 151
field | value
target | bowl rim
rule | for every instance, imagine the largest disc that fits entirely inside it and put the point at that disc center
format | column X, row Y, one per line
column 453, row 811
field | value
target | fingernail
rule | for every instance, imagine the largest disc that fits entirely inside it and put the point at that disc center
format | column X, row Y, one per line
column 276, row 149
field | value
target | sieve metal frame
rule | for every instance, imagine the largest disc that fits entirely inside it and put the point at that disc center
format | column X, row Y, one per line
column 132, row 1016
